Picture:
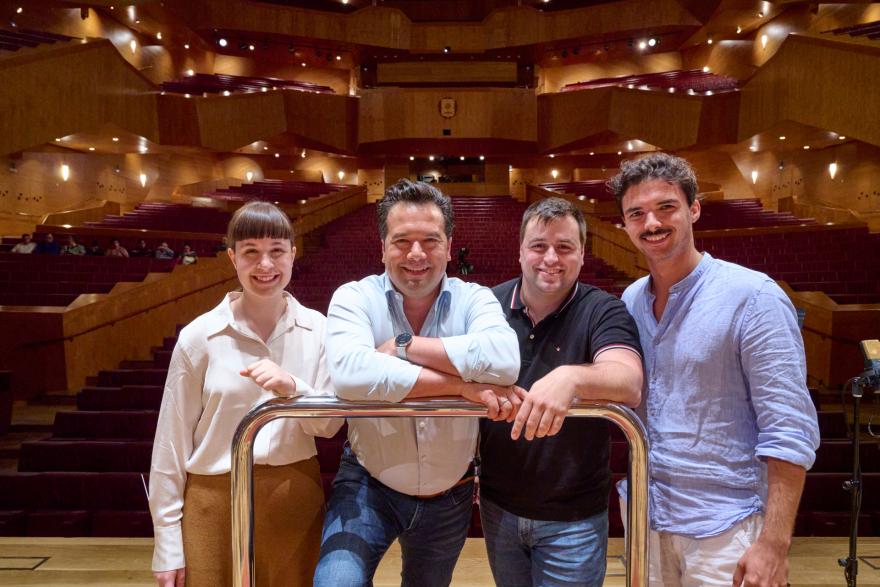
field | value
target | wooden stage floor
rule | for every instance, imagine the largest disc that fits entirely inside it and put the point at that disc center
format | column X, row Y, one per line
column 106, row 562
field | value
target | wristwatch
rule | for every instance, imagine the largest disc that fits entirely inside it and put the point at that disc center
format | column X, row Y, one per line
column 402, row 341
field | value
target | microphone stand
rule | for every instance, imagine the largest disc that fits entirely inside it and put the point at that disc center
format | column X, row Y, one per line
column 854, row 486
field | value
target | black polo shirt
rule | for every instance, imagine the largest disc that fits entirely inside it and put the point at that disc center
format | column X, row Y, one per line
column 565, row 477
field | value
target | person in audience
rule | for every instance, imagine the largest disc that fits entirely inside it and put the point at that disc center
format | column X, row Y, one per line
column 464, row 266
column 49, row 246
column 26, row 246
column 95, row 250
column 141, row 250
column 731, row 425
column 222, row 245
column 163, row 251
column 258, row 343
column 116, row 250
column 72, row 247
column 188, row 256
column 411, row 333
column 576, row 342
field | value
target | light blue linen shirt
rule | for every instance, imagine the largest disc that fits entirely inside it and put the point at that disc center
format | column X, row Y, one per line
column 725, row 388
column 416, row 456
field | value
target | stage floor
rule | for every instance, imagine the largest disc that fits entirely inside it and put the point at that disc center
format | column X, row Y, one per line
column 105, row 562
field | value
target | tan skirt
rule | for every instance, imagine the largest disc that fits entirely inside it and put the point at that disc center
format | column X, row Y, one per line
column 288, row 516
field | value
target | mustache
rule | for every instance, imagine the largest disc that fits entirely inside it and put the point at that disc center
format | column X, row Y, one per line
column 654, row 232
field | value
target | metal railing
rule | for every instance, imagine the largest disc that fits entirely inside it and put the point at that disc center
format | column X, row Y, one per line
column 320, row 407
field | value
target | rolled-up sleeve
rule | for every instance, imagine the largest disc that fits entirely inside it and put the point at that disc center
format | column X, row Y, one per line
column 774, row 362
column 357, row 370
column 489, row 351
column 178, row 417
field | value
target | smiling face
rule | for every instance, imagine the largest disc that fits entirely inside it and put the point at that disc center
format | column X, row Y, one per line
column 551, row 257
column 263, row 265
column 659, row 222
column 415, row 250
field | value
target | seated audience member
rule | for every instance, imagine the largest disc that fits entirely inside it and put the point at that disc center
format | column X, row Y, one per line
column 465, row 267
column 141, row 250
column 49, row 246
column 222, row 245
column 731, row 426
column 95, row 250
column 72, row 247
column 258, row 342
column 188, row 256
column 26, row 246
column 163, row 251
column 116, row 250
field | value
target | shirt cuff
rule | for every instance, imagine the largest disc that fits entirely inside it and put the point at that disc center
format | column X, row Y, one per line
column 797, row 451
column 303, row 389
column 461, row 350
column 168, row 548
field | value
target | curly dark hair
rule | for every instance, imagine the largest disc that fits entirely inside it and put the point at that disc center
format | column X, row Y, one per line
column 663, row 166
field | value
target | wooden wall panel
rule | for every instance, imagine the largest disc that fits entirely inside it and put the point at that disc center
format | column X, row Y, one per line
column 788, row 88
column 91, row 85
column 393, row 113
column 338, row 79
column 571, row 116
column 328, row 122
column 230, row 122
column 670, row 121
column 435, row 72
column 552, row 79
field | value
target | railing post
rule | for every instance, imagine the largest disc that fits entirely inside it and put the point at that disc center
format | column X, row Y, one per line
column 322, row 407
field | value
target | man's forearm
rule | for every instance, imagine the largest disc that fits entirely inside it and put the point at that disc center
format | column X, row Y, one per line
column 785, row 483
column 432, row 383
column 430, row 352
column 610, row 380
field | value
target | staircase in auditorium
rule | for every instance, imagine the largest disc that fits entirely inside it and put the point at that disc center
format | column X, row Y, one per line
column 89, row 476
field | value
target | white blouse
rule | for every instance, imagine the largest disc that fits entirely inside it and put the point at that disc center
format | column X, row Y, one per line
column 205, row 399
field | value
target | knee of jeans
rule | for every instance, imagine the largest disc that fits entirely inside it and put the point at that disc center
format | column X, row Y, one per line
column 341, row 568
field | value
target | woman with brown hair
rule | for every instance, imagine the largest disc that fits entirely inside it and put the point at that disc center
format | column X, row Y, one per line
column 257, row 343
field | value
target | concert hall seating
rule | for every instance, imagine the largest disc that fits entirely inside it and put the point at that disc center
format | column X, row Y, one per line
column 590, row 189
column 168, row 216
column 871, row 30
column 57, row 280
column 692, row 80
column 15, row 39
column 215, row 83
column 273, row 190
column 831, row 261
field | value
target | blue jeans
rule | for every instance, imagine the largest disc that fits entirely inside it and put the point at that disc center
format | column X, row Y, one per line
column 525, row 552
column 364, row 517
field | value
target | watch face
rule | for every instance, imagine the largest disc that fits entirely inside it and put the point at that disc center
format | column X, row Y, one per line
column 403, row 339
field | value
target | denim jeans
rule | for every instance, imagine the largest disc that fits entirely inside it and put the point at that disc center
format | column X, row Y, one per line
column 364, row 517
column 525, row 552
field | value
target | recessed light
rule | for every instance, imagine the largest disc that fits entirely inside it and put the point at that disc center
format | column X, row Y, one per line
column 222, row 42
column 841, row 138
column 91, row 148
column 115, row 139
column 806, row 147
column 411, row 158
column 186, row 45
column 781, row 137
column 753, row 148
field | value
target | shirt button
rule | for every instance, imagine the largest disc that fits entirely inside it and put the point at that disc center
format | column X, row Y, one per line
column 531, row 337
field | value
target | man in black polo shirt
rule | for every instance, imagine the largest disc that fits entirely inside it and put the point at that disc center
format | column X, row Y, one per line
column 545, row 480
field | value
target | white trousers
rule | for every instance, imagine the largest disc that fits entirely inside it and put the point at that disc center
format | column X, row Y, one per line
column 681, row 561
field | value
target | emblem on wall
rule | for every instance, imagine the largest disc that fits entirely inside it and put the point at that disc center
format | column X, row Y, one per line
column 447, row 107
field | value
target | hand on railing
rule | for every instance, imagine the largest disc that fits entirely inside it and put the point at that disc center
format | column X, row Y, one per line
column 502, row 403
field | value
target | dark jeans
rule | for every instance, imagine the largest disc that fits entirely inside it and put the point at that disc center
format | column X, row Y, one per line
column 364, row 517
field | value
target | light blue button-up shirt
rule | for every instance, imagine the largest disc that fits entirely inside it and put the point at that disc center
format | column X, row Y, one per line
column 416, row 456
column 725, row 388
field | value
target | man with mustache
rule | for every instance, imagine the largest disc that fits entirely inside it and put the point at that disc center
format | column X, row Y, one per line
column 411, row 333
column 730, row 421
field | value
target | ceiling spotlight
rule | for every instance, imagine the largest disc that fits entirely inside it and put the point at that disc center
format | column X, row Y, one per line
column 554, row 173
column 806, row 147
column 91, row 148
column 303, row 154
column 249, row 175
column 411, row 158
column 709, row 40
column 264, row 89
column 461, row 158
column 265, row 147
column 190, row 72
column 753, row 148
column 159, row 35
column 303, row 63
column 482, row 157
column 447, row 49
column 430, row 157
column 706, row 69
column 760, row 15
column 115, row 139
column 277, row 155
column 186, row 46
column 552, row 155
column 339, row 58
column 19, row 10
column 592, row 153
column 781, row 137
column 620, row 152
column 341, row 175
column 671, row 90
column 251, row 47
column 841, row 138
column 643, row 45
column 345, row 1
column 652, row 42
column 226, row 92
column 57, row 140
column 739, row 30
column 708, row 92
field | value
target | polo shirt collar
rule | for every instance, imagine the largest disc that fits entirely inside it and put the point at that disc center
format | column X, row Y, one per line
column 516, row 301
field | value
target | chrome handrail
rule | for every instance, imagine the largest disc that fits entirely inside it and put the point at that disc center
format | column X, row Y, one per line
column 322, row 407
